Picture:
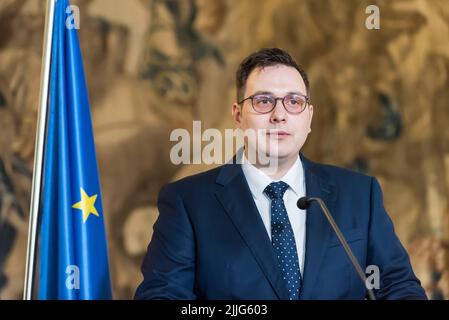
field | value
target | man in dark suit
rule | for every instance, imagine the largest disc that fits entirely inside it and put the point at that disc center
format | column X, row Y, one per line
column 235, row 232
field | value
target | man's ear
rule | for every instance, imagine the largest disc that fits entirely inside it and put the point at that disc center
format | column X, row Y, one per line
column 311, row 116
column 237, row 114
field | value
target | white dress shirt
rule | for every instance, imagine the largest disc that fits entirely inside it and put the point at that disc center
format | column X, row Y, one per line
column 258, row 181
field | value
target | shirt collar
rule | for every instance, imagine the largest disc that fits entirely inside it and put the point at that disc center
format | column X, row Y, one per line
column 258, row 181
column 295, row 177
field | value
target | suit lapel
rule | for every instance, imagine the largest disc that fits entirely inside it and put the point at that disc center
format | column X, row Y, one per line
column 318, row 230
column 236, row 199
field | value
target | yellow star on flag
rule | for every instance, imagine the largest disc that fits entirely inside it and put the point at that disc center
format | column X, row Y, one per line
column 86, row 205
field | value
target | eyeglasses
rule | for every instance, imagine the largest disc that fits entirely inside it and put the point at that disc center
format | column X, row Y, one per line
column 265, row 103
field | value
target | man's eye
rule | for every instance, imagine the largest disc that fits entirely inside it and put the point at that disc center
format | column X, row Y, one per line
column 295, row 102
column 263, row 100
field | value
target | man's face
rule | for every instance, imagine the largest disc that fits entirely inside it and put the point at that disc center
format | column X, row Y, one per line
column 285, row 132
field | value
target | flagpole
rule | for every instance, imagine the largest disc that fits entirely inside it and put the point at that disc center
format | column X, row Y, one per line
column 30, row 266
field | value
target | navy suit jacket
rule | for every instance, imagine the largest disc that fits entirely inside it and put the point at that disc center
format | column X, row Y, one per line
column 209, row 241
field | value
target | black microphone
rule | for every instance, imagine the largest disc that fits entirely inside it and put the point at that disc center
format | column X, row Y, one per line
column 303, row 203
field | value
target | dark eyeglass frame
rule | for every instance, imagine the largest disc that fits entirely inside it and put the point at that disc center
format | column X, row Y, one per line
column 251, row 97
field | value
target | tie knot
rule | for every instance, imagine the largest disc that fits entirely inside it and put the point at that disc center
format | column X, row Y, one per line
column 276, row 190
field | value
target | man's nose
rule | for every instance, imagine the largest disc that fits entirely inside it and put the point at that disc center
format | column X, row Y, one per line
column 279, row 113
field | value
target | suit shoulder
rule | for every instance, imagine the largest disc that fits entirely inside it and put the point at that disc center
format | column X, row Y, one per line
column 339, row 174
column 195, row 181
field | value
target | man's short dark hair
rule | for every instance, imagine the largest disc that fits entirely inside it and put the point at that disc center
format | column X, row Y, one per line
column 265, row 57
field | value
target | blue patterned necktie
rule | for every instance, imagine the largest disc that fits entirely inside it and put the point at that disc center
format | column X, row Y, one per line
column 283, row 239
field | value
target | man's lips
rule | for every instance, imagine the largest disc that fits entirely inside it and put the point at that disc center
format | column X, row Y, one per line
column 278, row 134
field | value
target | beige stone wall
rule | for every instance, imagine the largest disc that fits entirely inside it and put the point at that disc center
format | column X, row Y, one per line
column 380, row 97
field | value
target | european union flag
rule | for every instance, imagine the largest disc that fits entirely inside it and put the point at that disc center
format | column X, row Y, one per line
column 73, row 248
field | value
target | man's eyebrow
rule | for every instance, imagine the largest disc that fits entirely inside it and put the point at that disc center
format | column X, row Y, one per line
column 264, row 92
column 296, row 92
column 272, row 94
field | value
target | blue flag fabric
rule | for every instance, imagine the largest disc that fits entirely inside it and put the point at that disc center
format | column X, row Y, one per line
column 73, row 260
